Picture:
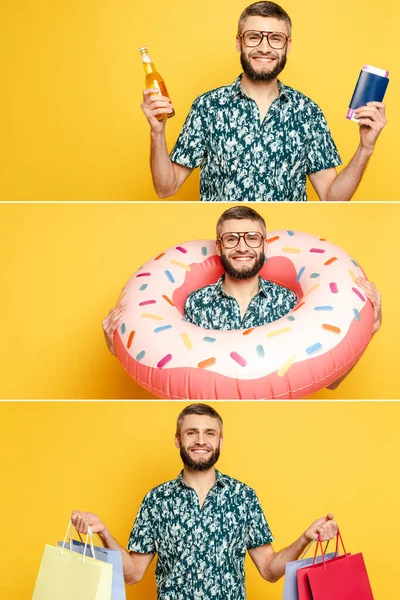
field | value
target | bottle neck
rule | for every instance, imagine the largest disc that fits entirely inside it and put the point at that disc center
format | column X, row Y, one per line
column 148, row 64
column 149, row 68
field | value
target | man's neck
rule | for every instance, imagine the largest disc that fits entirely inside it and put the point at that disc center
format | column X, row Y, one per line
column 263, row 92
column 243, row 290
column 200, row 481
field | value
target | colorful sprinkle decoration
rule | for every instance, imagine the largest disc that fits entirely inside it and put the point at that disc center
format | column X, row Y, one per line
column 141, row 355
column 323, row 307
column 239, row 359
column 181, row 249
column 299, row 274
column 161, row 363
column 131, row 336
column 147, row 302
column 160, row 256
column 358, row 293
column 314, row 348
column 143, row 287
column 187, row 341
column 331, row 328
column 317, row 250
column 150, row 316
column 357, row 314
column 143, row 275
column 209, row 362
column 180, row 264
column 286, row 365
column 163, row 328
column 170, row 276
column 209, row 339
column 123, row 328
column 278, row 331
column 260, row 351
column 334, row 288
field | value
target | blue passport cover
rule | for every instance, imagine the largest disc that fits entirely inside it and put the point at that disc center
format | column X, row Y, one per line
column 369, row 88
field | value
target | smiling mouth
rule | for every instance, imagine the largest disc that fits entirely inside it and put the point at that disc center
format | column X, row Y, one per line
column 264, row 59
column 199, row 451
column 243, row 258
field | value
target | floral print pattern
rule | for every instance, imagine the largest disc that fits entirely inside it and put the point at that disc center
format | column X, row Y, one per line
column 211, row 308
column 243, row 159
column 200, row 551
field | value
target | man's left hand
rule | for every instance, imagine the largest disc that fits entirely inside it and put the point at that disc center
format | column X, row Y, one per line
column 372, row 119
column 326, row 527
column 373, row 296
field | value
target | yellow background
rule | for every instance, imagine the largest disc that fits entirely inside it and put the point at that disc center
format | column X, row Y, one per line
column 303, row 460
column 70, row 120
column 65, row 264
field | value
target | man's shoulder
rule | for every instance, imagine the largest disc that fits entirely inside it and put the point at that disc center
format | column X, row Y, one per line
column 236, row 486
column 202, row 294
column 266, row 284
column 215, row 96
column 163, row 490
column 298, row 97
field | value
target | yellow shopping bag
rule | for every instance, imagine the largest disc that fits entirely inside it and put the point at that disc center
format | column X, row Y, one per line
column 67, row 575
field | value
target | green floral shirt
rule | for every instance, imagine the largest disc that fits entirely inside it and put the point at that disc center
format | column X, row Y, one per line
column 211, row 308
column 242, row 159
column 200, row 551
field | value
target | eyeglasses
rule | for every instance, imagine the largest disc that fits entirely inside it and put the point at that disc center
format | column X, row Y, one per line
column 230, row 240
column 275, row 39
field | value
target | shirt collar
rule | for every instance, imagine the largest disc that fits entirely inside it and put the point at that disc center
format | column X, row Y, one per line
column 236, row 89
column 221, row 480
column 218, row 290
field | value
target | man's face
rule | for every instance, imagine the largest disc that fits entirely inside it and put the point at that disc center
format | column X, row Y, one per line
column 242, row 262
column 199, row 442
column 262, row 63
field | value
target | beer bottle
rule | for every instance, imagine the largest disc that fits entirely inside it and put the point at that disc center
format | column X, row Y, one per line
column 154, row 80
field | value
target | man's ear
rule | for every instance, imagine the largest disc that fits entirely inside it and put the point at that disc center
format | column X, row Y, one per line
column 218, row 248
column 238, row 44
column 177, row 442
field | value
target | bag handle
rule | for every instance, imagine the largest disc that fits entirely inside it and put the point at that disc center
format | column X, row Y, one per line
column 319, row 543
column 310, row 544
column 89, row 536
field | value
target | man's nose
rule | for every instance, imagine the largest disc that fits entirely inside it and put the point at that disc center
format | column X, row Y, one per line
column 242, row 246
column 264, row 46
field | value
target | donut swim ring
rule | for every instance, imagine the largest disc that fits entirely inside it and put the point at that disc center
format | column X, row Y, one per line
column 319, row 340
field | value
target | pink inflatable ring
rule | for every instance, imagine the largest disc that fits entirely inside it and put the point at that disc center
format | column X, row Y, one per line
column 308, row 349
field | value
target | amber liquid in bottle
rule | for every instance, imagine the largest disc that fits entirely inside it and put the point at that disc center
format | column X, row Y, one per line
column 154, row 80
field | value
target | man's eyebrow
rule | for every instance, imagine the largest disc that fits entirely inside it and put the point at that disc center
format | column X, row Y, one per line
column 197, row 429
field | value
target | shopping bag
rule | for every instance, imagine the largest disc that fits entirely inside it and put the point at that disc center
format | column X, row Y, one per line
column 342, row 578
column 290, row 581
column 110, row 556
column 68, row 575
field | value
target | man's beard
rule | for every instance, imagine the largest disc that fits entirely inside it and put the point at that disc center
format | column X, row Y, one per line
column 244, row 273
column 200, row 465
column 262, row 75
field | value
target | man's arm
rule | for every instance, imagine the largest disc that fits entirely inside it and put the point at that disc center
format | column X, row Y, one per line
column 167, row 176
column 271, row 565
column 134, row 564
column 373, row 296
column 331, row 186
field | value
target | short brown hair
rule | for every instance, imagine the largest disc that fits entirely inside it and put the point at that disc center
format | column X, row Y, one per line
column 240, row 212
column 265, row 9
column 197, row 409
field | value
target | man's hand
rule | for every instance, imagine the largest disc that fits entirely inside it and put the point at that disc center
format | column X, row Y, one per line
column 373, row 296
column 81, row 521
column 326, row 527
column 110, row 324
column 154, row 105
column 372, row 120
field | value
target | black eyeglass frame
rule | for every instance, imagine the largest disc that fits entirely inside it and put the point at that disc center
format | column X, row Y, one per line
column 240, row 234
column 264, row 34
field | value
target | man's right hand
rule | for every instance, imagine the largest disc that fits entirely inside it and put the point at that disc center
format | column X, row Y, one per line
column 110, row 324
column 81, row 521
column 154, row 105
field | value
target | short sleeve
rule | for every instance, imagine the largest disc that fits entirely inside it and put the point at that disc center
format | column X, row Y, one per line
column 259, row 532
column 142, row 537
column 322, row 152
column 190, row 147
